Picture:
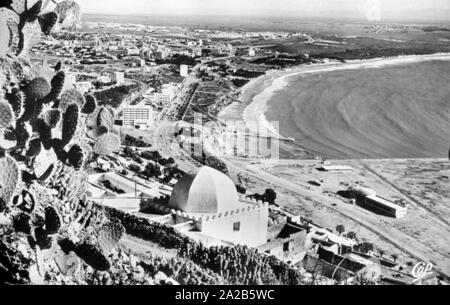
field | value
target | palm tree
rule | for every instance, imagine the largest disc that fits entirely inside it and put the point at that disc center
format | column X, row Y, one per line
column 381, row 252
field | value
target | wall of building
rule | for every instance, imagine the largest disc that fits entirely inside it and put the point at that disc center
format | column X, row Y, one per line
column 252, row 231
column 291, row 249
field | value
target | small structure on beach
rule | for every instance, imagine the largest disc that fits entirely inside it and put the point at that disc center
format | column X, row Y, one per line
column 369, row 199
column 336, row 168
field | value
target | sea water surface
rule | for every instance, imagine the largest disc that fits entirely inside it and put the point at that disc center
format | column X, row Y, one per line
column 393, row 110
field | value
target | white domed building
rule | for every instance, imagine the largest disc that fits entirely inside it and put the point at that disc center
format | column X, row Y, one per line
column 207, row 191
column 208, row 199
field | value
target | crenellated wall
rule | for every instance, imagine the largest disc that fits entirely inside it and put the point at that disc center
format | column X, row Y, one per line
column 253, row 223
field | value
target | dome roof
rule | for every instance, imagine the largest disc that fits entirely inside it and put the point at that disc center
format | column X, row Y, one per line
column 362, row 191
column 207, row 191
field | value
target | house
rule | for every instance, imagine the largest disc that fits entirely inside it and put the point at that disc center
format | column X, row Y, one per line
column 207, row 203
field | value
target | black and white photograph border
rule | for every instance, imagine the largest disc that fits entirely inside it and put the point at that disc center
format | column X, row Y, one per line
column 242, row 144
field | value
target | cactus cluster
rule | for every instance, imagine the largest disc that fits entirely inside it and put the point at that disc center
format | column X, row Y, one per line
column 29, row 18
column 43, row 155
column 109, row 235
column 31, row 118
column 9, row 179
column 101, row 129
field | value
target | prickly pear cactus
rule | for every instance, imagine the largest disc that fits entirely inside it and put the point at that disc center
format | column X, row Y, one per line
column 90, row 104
column 107, row 144
column 9, row 178
column 5, row 38
column 70, row 97
column 68, row 264
column 70, row 123
column 7, row 116
column 93, row 256
column 52, row 220
column 109, row 236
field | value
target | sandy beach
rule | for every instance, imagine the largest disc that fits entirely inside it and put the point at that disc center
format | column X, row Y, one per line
column 328, row 106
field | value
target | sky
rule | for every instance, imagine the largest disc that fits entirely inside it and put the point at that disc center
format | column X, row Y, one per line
column 370, row 9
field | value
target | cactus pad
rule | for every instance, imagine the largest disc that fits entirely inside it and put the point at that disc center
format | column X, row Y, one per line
column 33, row 10
column 93, row 256
column 97, row 132
column 16, row 99
column 5, row 36
column 37, row 89
column 43, row 162
column 70, row 123
column 19, row 6
column 58, row 148
column 69, row 97
column 22, row 134
column 57, row 86
column 45, row 133
column 9, row 178
column 106, row 118
column 34, row 148
column 68, row 264
column 90, row 104
column 43, row 240
column 6, row 114
column 47, row 22
column 107, row 144
column 8, row 138
column 52, row 117
column 52, row 221
column 109, row 235
column 75, row 157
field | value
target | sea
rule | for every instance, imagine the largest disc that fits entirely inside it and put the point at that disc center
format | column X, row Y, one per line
column 398, row 111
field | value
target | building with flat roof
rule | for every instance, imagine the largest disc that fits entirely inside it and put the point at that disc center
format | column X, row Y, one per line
column 84, row 87
column 140, row 116
column 184, row 70
column 369, row 199
column 386, row 207
column 118, row 77
column 337, row 168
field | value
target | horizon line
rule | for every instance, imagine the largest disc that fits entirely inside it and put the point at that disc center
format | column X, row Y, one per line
column 358, row 18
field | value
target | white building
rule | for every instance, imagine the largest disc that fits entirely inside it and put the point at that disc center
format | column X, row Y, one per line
column 159, row 98
column 71, row 79
column 118, row 77
column 133, row 51
column 104, row 79
column 84, row 87
column 209, row 199
column 138, row 116
column 184, row 70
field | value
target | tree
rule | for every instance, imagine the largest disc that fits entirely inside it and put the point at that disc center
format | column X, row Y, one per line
column 364, row 247
column 340, row 229
column 351, row 235
column 134, row 168
column 394, row 257
column 152, row 170
column 127, row 151
column 270, row 195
